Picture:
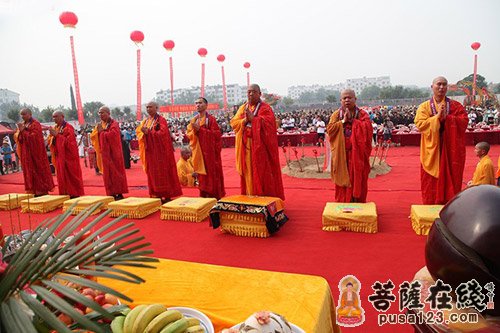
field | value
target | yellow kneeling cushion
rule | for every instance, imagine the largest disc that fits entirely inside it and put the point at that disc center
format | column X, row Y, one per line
column 43, row 204
column 357, row 217
column 187, row 209
column 12, row 200
column 249, row 216
column 86, row 201
column 134, row 208
column 423, row 216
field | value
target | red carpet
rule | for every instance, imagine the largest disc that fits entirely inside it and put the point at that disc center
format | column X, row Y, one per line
column 395, row 252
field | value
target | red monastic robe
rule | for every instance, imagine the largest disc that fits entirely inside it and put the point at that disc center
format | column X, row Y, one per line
column 211, row 182
column 113, row 166
column 258, row 145
column 35, row 163
column 160, row 165
column 67, row 161
column 350, row 156
column 442, row 152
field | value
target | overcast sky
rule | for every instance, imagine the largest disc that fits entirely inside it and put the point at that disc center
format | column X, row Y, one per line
column 287, row 43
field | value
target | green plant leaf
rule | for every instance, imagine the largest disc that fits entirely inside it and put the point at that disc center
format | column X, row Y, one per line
column 44, row 313
column 77, row 297
column 95, row 285
column 23, row 321
column 93, row 272
column 116, row 270
column 66, row 308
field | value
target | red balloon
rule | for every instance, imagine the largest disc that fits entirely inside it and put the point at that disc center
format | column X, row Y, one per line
column 246, row 65
column 202, row 52
column 68, row 19
column 137, row 36
column 475, row 46
column 221, row 58
column 169, row 45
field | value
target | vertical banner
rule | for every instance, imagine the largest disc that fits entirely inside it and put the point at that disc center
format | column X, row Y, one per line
column 139, row 111
column 79, row 107
column 202, row 79
column 224, row 92
column 171, row 81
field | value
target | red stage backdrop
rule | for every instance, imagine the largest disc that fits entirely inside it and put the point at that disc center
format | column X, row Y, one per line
column 187, row 107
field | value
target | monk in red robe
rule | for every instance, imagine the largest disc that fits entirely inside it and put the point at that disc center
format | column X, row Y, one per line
column 33, row 154
column 442, row 123
column 350, row 134
column 257, row 159
column 205, row 140
column 157, row 155
column 107, row 141
column 62, row 143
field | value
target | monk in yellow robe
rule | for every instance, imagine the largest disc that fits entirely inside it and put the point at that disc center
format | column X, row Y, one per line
column 257, row 158
column 442, row 123
column 485, row 171
column 185, row 169
column 349, row 303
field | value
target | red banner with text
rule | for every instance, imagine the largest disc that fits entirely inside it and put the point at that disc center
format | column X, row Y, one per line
column 187, row 107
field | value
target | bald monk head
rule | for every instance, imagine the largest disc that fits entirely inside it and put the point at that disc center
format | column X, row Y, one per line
column 58, row 117
column 348, row 99
column 185, row 153
column 482, row 149
column 25, row 114
column 104, row 113
column 439, row 88
column 253, row 94
column 152, row 108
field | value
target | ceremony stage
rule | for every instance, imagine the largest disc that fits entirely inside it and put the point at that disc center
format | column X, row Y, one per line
column 395, row 252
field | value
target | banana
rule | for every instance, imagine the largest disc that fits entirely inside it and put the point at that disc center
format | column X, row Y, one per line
column 131, row 317
column 193, row 322
column 145, row 317
column 178, row 326
column 162, row 320
column 195, row 329
column 117, row 324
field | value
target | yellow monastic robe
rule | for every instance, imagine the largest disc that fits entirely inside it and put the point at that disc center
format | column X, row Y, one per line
column 338, row 172
column 485, row 172
column 94, row 138
column 148, row 123
column 429, row 126
column 498, row 171
column 185, row 172
column 197, row 158
column 238, row 123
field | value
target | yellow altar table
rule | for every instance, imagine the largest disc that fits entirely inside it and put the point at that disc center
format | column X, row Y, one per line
column 228, row 295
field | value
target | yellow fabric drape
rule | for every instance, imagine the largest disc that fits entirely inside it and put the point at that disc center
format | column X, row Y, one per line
column 498, row 171
column 429, row 126
column 148, row 123
column 485, row 172
column 194, row 143
column 185, row 172
column 50, row 141
column 229, row 295
column 238, row 123
column 339, row 172
column 94, row 138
